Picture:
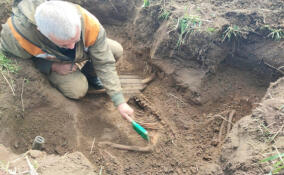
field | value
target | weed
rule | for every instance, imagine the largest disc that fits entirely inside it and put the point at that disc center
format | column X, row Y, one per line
column 211, row 29
column 6, row 64
column 278, row 163
column 186, row 25
column 165, row 14
column 146, row 3
column 231, row 32
column 275, row 34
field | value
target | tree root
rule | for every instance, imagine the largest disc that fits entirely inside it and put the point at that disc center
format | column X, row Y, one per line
column 145, row 149
column 229, row 124
column 220, row 132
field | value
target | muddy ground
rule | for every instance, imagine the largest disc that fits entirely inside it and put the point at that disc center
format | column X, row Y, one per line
column 200, row 81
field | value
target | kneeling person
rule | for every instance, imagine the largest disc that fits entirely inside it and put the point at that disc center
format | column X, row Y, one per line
column 68, row 44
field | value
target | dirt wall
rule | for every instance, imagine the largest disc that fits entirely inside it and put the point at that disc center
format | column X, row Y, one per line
column 111, row 12
column 247, row 144
column 5, row 7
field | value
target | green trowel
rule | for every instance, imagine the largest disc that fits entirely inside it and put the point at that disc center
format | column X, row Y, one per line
column 139, row 129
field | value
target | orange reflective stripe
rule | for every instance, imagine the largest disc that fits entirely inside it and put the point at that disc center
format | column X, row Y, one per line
column 92, row 28
column 25, row 44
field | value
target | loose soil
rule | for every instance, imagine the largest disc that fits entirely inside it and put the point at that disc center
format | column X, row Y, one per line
column 197, row 86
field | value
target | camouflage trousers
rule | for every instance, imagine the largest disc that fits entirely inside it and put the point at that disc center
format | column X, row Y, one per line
column 75, row 84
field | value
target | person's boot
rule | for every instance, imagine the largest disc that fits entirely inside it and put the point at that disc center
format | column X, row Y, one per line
column 92, row 78
column 95, row 82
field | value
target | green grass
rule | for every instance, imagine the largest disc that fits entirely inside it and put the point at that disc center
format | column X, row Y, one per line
column 211, row 29
column 7, row 64
column 275, row 34
column 186, row 25
column 165, row 14
column 278, row 163
column 231, row 32
column 146, row 3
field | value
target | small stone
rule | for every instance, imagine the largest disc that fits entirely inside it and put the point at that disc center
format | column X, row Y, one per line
column 207, row 158
column 16, row 145
column 214, row 142
column 35, row 154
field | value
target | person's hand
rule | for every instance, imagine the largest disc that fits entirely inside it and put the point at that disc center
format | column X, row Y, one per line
column 126, row 111
column 63, row 68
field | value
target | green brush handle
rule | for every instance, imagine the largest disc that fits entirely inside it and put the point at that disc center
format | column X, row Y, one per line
column 140, row 130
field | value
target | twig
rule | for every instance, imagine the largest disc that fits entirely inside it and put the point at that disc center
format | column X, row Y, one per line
column 280, row 157
column 101, row 170
column 231, row 115
column 22, row 100
column 148, row 79
column 272, row 67
column 176, row 98
column 223, row 118
column 129, row 148
column 113, row 6
column 220, row 132
column 32, row 169
column 281, row 67
column 275, row 135
column 12, row 89
column 110, row 155
column 24, row 172
column 92, row 145
column 19, row 158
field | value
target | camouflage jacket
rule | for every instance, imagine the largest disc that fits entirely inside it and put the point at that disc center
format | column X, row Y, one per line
column 95, row 50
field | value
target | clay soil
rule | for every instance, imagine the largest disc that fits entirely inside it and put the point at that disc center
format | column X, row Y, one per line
column 197, row 86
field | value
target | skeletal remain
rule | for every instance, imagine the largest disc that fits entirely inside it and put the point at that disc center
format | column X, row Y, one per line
column 149, row 148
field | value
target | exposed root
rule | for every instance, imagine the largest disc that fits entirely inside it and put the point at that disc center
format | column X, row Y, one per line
column 221, row 131
column 230, row 124
column 148, row 79
column 145, row 149
column 93, row 145
column 22, row 100
column 277, row 69
column 129, row 148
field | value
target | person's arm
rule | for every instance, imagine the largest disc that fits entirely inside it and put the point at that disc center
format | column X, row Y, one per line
column 46, row 66
column 104, row 65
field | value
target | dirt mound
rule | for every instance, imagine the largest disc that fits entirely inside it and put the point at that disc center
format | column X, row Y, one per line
column 249, row 142
column 73, row 163
column 5, row 11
